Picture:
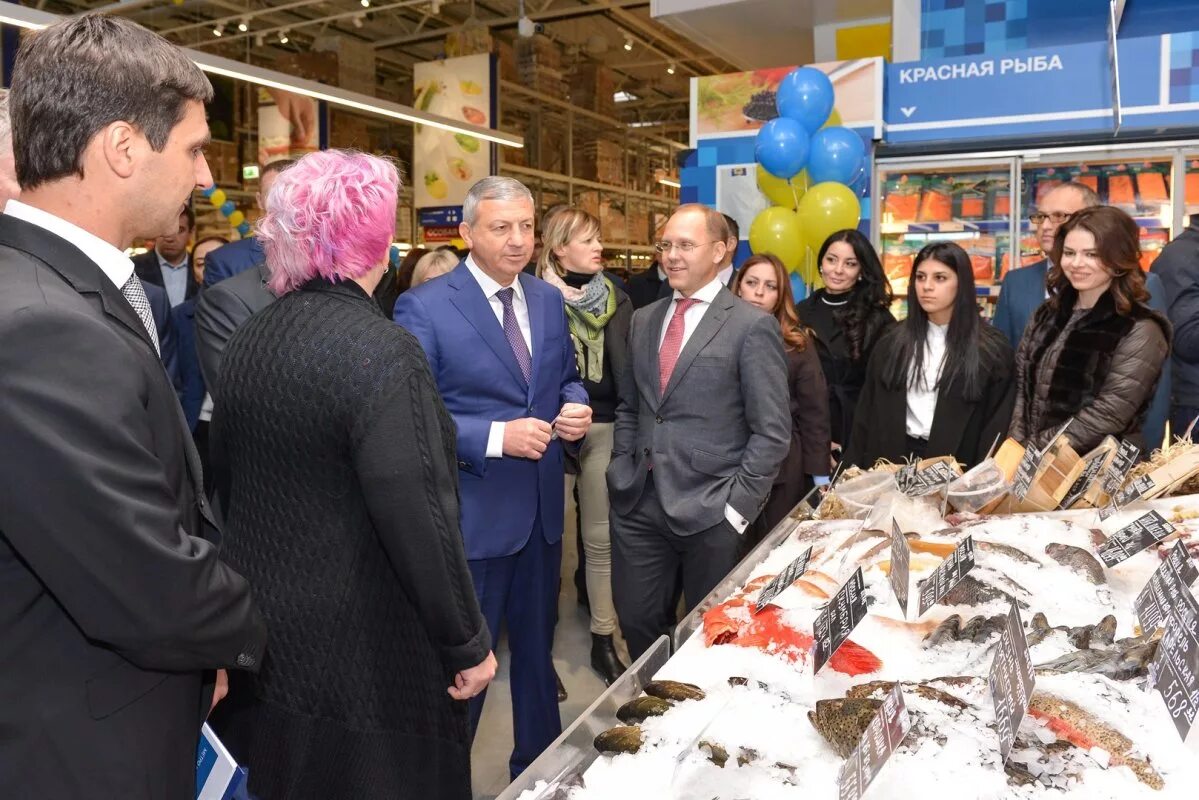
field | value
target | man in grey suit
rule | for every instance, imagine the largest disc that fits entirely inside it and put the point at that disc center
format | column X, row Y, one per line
column 702, row 426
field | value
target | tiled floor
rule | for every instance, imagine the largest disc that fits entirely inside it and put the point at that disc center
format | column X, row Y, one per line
column 572, row 656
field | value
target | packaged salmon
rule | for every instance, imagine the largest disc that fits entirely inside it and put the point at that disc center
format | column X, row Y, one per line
column 999, row 198
column 936, row 204
column 901, row 197
column 1191, row 190
column 1151, row 184
column 1152, row 242
column 1120, row 191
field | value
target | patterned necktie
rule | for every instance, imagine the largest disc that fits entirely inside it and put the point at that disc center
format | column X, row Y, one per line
column 512, row 332
column 668, row 355
column 136, row 296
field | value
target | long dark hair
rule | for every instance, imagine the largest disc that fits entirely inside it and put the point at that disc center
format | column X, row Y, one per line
column 1118, row 242
column 859, row 317
column 967, row 346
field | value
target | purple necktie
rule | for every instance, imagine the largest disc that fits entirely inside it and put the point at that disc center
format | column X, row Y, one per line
column 512, row 331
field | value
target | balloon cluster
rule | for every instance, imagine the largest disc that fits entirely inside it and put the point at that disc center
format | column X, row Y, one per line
column 226, row 206
column 809, row 167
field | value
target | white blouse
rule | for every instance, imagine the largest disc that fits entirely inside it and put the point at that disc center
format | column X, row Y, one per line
column 922, row 390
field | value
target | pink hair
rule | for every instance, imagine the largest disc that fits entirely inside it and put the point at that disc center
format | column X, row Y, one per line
column 331, row 215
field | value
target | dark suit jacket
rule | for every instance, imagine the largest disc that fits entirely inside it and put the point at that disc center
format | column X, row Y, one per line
column 191, row 379
column 220, row 311
column 481, row 382
column 150, row 271
column 1022, row 293
column 111, row 603
column 168, row 344
column 231, row 259
column 645, row 287
column 722, row 428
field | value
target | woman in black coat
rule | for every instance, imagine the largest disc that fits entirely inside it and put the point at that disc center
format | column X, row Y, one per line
column 940, row 383
column 847, row 317
column 336, row 467
column 763, row 281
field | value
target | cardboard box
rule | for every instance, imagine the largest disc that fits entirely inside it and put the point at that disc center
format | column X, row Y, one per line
column 592, row 86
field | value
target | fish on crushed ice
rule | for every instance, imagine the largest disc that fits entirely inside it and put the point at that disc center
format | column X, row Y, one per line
column 977, row 629
column 1118, row 663
column 1013, row 553
column 641, row 708
column 674, row 690
column 875, row 688
column 621, row 739
column 843, row 720
column 1077, row 559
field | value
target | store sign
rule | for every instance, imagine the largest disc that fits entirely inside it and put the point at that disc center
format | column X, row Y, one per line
column 1134, row 537
column 946, row 576
column 838, row 619
column 441, row 216
column 781, row 581
column 880, row 739
column 901, row 560
column 1174, row 671
column 1011, row 680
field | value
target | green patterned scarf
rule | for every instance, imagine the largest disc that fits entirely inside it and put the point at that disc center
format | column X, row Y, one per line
column 587, row 331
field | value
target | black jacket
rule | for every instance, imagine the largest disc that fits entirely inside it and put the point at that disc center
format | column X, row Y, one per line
column 223, row 308
column 961, row 428
column 647, row 286
column 112, row 605
column 1178, row 267
column 146, row 266
column 335, row 458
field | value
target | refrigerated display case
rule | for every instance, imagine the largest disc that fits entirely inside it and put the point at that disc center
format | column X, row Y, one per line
column 970, row 199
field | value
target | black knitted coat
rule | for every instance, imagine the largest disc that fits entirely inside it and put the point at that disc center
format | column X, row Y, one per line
column 336, row 466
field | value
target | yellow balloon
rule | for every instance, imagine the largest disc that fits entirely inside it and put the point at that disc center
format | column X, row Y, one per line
column 218, row 197
column 827, row 208
column 236, row 218
column 781, row 191
column 833, row 121
column 777, row 231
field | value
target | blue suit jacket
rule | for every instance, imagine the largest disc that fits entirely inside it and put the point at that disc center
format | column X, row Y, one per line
column 168, row 345
column 230, row 259
column 1023, row 290
column 191, row 380
column 481, row 383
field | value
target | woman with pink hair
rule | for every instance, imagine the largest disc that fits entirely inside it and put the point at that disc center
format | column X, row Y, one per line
column 336, row 466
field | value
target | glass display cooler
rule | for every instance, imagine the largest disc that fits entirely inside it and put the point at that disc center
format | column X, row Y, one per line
column 983, row 202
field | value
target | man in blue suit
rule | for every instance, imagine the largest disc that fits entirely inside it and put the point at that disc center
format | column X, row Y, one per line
column 1023, row 290
column 499, row 348
column 230, row 259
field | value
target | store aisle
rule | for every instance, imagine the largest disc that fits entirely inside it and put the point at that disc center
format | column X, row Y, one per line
column 572, row 656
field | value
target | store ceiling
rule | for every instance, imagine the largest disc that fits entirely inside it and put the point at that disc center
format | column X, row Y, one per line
column 651, row 60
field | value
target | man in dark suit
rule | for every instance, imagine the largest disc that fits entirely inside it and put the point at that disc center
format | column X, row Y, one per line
column 1023, row 291
column 648, row 285
column 500, row 350
column 239, row 256
column 115, row 609
column 164, row 324
column 727, row 270
column 221, row 310
column 168, row 265
column 703, row 425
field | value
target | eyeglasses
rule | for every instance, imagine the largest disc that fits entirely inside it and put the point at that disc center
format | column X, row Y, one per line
column 1056, row 217
column 682, row 247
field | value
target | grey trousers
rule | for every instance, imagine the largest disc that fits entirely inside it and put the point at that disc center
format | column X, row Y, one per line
column 593, row 516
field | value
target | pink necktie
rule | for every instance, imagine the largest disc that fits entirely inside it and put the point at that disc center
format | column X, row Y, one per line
column 668, row 356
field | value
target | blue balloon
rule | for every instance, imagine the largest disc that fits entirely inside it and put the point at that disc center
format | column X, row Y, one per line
column 806, row 96
column 836, row 155
column 228, row 207
column 782, row 147
column 799, row 290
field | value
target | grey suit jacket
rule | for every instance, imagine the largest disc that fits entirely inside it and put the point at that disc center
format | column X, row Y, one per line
column 719, row 432
column 222, row 309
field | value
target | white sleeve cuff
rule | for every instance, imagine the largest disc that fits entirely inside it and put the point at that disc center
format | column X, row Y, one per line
column 820, row 480
column 495, row 440
column 738, row 522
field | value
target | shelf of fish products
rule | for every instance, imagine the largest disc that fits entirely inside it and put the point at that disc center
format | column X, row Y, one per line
column 919, row 650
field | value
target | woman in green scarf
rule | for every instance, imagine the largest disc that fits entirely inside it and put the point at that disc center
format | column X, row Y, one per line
column 599, row 315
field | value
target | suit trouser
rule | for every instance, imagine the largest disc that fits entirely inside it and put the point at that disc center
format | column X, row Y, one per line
column 593, row 523
column 522, row 590
column 646, row 557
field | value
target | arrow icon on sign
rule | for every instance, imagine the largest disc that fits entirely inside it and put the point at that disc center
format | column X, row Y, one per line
column 908, row 111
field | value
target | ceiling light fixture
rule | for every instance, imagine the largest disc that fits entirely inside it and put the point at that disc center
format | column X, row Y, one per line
column 283, row 37
column 217, row 31
column 358, row 20
column 366, row 3
column 628, row 42
column 244, row 25
column 670, row 183
column 24, row 17
column 670, row 70
column 259, row 39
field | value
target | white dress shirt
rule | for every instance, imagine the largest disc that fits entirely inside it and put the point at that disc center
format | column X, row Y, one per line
column 174, row 278
column 691, row 320
column 725, row 275
column 520, row 307
column 111, row 261
column 922, row 390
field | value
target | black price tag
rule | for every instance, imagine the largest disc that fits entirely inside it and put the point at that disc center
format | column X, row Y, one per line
column 781, row 581
column 1129, row 493
column 918, row 483
column 1174, row 671
column 1011, row 680
column 881, row 738
column 1153, row 605
column 946, row 576
column 1026, row 470
column 1126, row 456
column 1146, row 530
column 838, row 619
column 1089, row 474
column 901, row 559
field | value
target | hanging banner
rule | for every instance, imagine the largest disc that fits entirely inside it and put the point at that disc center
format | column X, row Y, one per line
column 445, row 164
column 288, row 125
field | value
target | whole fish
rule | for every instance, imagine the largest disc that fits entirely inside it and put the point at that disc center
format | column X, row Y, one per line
column 641, row 708
column 841, row 721
column 621, row 739
column 1083, row 730
column 674, row 690
column 1078, row 560
column 1119, row 664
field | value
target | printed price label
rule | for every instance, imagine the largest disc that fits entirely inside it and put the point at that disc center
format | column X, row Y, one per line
column 1153, row 604
column 1026, row 471
column 882, row 736
column 946, row 576
column 1146, row 530
column 901, row 559
column 838, row 619
column 1011, row 680
column 1090, row 474
column 1174, row 671
column 1126, row 456
column 784, row 579
column 918, row 483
